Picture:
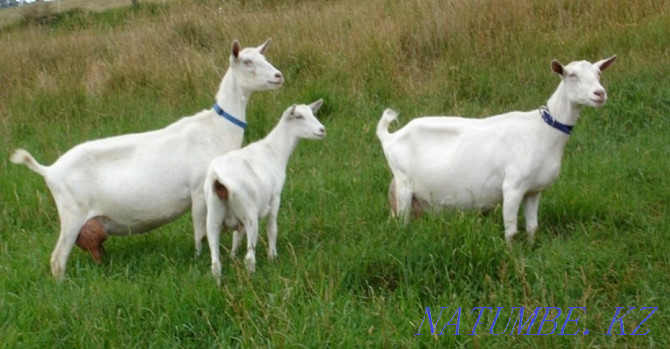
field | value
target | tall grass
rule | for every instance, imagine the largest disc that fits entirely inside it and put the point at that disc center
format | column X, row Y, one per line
column 347, row 276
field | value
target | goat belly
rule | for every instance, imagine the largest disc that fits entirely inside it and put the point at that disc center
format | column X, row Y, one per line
column 138, row 224
column 464, row 198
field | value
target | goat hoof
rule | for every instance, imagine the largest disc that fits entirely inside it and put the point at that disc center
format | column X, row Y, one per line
column 251, row 264
column 531, row 240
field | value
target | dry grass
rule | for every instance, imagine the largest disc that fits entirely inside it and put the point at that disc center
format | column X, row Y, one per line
column 402, row 39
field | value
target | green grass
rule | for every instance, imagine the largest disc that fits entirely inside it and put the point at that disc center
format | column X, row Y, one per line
column 347, row 276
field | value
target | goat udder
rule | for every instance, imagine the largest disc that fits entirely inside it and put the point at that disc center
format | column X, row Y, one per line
column 91, row 237
column 221, row 191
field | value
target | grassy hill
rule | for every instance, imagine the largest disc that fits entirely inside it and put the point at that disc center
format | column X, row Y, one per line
column 13, row 15
column 347, row 275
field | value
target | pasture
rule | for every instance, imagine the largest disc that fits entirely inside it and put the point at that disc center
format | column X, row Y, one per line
column 347, row 276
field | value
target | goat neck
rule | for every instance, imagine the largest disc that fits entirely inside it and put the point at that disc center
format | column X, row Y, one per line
column 231, row 97
column 281, row 141
column 562, row 108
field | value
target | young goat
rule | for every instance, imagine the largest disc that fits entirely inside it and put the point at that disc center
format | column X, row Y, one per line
column 444, row 162
column 245, row 185
column 133, row 183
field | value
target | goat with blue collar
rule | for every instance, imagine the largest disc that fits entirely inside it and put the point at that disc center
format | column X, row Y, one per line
column 465, row 163
column 133, row 183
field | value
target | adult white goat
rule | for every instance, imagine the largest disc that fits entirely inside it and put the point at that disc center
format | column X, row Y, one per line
column 133, row 183
column 440, row 162
column 245, row 185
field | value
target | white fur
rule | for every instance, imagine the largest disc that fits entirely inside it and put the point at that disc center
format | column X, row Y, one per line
column 440, row 162
column 140, row 181
column 253, row 178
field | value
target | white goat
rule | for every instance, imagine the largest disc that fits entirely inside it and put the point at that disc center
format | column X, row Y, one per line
column 245, row 185
column 440, row 162
column 133, row 183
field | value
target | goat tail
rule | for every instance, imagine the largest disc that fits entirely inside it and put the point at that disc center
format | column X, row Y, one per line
column 387, row 118
column 22, row 156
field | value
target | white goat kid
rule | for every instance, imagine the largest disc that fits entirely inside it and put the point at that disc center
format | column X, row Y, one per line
column 133, row 183
column 246, row 184
column 441, row 162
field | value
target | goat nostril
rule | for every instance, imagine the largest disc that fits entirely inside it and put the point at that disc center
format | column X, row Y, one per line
column 278, row 75
column 600, row 93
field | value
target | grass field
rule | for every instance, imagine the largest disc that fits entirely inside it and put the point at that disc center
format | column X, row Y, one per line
column 347, row 276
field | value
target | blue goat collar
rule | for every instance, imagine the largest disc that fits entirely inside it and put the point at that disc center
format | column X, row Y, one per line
column 229, row 117
column 567, row 129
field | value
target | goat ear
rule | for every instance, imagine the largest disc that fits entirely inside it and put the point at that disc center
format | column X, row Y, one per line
column 557, row 67
column 291, row 112
column 316, row 105
column 605, row 63
column 264, row 46
column 235, row 49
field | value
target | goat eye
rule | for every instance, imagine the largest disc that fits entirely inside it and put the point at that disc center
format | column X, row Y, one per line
column 299, row 116
column 248, row 63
